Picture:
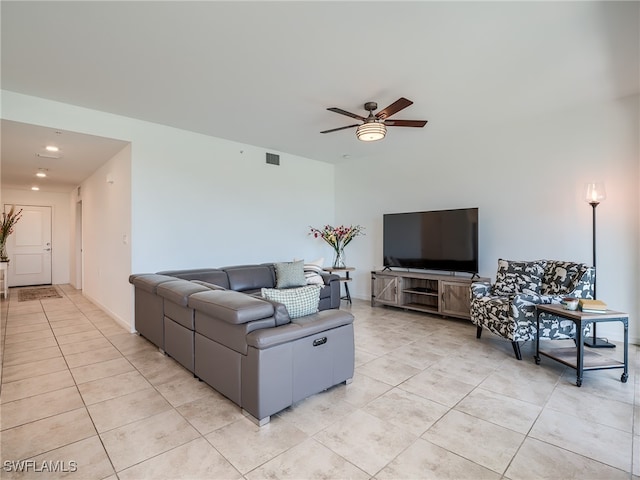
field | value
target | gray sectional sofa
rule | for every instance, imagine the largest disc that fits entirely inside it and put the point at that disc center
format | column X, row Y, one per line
column 215, row 323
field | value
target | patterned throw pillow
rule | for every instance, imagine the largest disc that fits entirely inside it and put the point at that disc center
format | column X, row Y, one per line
column 518, row 277
column 299, row 301
column 312, row 272
column 290, row 274
column 562, row 277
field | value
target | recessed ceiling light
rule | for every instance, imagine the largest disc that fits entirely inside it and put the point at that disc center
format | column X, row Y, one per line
column 41, row 173
column 51, row 148
column 35, row 188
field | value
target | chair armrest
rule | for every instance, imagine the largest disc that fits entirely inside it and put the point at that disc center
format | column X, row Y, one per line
column 480, row 289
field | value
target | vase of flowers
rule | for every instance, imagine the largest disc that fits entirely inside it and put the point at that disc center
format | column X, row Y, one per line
column 6, row 229
column 338, row 237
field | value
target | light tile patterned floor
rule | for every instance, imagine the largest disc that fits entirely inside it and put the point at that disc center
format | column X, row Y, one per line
column 428, row 400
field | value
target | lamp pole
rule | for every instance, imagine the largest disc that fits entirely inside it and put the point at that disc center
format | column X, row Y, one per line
column 595, row 193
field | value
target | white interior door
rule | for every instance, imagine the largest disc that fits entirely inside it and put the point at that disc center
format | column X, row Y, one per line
column 29, row 247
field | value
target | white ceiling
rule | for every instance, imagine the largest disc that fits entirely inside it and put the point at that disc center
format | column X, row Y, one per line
column 263, row 73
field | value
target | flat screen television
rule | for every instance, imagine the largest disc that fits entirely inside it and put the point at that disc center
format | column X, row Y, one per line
column 435, row 240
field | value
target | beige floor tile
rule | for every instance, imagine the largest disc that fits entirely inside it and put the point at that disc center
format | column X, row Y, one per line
column 248, row 446
column 118, row 385
column 16, row 329
column 426, row 460
column 157, row 367
column 95, row 371
column 60, row 331
column 28, row 356
column 528, row 390
column 130, row 343
column 316, row 412
column 95, row 356
column 435, row 386
column 85, row 459
column 361, row 391
column 405, row 410
column 77, row 320
column 47, row 434
column 127, row 409
column 593, row 408
column 416, row 355
column 31, row 345
column 87, row 346
column 536, row 460
column 33, row 369
column 23, row 308
column 366, row 441
column 499, row 409
column 146, row 438
column 297, row 463
column 388, row 370
column 35, row 385
column 211, row 412
column 477, row 440
column 28, row 337
column 40, row 406
column 79, row 337
column 596, row 441
column 196, row 460
column 27, row 319
column 184, row 390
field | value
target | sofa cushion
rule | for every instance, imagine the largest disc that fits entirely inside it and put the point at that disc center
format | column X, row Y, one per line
column 231, row 307
column 562, row 277
column 299, row 301
column 518, row 277
column 290, row 274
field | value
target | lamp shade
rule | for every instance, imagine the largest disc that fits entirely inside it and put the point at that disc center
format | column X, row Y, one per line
column 595, row 192
column 371, row 131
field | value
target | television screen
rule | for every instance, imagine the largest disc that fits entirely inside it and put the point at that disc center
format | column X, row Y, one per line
column 436, row 240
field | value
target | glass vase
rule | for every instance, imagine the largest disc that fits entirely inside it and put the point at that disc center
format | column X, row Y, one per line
column 3, row 250
column 339, row 259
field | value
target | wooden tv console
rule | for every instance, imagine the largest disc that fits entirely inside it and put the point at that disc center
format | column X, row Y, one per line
column 445, row 295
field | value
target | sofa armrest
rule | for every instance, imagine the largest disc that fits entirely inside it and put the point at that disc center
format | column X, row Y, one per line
column 329, row 277
column 480, row 289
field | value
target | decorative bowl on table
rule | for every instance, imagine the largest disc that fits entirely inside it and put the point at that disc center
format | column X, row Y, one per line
column 570, row 303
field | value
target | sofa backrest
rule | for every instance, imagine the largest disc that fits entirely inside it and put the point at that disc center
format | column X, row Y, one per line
column 244, row 278
column 215, row 276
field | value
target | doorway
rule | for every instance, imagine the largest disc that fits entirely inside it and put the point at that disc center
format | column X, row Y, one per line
column 29, row 247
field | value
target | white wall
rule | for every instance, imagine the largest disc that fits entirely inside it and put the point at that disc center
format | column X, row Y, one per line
column 195, row 200
column 106, row 230
column 60, row 224
column 527, row 178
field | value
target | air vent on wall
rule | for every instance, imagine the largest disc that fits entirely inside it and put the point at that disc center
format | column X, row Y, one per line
column 273, row 159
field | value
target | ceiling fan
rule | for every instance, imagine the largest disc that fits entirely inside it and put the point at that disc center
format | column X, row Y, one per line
column 374, row 127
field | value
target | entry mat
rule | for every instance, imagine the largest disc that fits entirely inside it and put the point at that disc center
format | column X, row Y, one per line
column 37, row 293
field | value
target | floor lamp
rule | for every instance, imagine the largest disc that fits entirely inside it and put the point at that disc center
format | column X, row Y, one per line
column 595, row 193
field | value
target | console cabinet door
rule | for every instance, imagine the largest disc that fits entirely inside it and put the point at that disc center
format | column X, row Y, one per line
column 384, row 289
column 455, row 299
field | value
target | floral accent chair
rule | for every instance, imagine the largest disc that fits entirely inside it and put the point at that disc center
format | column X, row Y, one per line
column 508, row 307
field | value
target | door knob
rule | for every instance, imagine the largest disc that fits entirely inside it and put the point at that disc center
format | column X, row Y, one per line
column 47, row 249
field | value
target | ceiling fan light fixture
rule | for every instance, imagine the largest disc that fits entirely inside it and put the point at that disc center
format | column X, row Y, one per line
column 371, row 131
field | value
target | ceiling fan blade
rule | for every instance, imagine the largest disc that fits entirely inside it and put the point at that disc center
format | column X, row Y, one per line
column 344, row 112
column 340, row 128
column 395, row 107
column 405, row 123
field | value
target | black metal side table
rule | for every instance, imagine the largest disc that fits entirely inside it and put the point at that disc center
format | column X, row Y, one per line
column 576, row 357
